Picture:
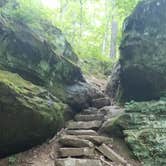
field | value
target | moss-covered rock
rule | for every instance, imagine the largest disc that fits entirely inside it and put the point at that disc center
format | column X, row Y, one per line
column 39, row 52
column 29, row 114
column 42, row 56
column 144, row 126
column 142, row 75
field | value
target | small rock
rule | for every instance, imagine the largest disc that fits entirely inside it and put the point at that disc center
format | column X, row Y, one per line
column 112, row 127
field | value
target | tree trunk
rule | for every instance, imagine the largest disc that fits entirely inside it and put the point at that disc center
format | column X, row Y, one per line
column 114, row 33
column 81, row 17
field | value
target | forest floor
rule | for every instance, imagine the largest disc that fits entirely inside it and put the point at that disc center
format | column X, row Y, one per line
column 45, row 155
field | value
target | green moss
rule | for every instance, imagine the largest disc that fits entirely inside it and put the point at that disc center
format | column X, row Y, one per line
column 144, row 125
column 29, row 114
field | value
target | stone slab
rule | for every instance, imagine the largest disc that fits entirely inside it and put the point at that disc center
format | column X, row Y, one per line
column 77, row 162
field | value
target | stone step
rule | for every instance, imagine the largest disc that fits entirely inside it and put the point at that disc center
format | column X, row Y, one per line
column 97, row 140
column 81, row 132
column 77, row 162
column 101, row 102
column 76, row 152
column 110, row 154
column 89, row 117
column 90, row 110
column 73, row 141
column 84, row 125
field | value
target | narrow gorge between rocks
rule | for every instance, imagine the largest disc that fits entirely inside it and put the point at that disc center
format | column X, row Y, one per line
column 82, row 83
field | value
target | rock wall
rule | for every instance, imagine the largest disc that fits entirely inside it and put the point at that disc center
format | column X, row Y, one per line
column 142, row 75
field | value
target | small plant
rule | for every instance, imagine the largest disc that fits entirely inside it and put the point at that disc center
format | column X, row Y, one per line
column 12, row 160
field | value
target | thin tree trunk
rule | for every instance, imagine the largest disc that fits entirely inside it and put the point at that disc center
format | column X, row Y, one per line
column 114, row 30
column 108, row 17
column 81, row 17
column 114, row 33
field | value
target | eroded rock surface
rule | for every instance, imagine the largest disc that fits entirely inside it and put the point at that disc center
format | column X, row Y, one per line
column 141, row 73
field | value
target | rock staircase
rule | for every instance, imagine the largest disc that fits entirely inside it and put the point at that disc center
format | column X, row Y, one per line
column 81, row 143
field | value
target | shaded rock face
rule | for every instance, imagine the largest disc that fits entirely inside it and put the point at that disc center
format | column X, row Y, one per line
column 45, row 58
column 35, row 57
column 144, row 126
column 35, row 103
column 28, row 114
column 142, row 75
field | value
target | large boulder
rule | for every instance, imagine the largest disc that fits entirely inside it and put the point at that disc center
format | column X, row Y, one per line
column 144, row 128
column 142, row 72
column 29, row 114
column 40, row 53
column 48, row 81
column 43, row 57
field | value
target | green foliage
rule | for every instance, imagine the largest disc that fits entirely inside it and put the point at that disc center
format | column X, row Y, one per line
column 12, row 160
column 21, row 11
column 145, row 131
column 100, row 66
column 124, row 9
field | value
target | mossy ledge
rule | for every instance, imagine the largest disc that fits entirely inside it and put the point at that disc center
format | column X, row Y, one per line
column 144, row 128
column 29, row 114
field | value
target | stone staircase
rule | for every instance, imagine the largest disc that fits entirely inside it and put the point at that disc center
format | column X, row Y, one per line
column 82, row 144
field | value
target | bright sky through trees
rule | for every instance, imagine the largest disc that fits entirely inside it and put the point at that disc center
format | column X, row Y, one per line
column 51, row 3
